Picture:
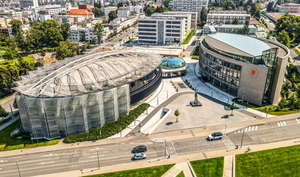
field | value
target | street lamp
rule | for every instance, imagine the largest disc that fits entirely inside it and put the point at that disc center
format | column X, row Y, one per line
column 120, row 132
column 18, row 168
column 37, row 140
column 165, row 148
column 242, row 138
column 225, row 129
column 98, row 158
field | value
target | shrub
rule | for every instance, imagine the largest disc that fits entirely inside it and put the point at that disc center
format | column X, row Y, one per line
column 195, row 57
column 19, row 146
column 189, row 37
column 109, row 128
column 2, row 146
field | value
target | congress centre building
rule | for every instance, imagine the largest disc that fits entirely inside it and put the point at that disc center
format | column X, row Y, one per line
column 249, row 68
column 83, row 92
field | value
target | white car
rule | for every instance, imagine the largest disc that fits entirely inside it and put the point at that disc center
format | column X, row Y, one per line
column 139, row 156
column 215, row 136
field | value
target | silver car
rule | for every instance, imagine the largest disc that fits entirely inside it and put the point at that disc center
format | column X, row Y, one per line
column 139, row 156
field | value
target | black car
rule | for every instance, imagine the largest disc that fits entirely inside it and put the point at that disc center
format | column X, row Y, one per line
column 141, row 148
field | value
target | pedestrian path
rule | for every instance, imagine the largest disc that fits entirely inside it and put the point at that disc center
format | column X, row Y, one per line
column 177, row 168
column 227, row 169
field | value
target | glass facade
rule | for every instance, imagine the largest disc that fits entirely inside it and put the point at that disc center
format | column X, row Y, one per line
column 220, row 73
column 59, row 117
column 172, row 62
column 226, row 75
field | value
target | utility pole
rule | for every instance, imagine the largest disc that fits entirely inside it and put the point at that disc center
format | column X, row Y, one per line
column 242, row 138
column 98, row 159
column 18, row 168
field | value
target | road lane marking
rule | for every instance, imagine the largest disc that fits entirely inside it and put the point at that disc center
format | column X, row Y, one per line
column 256, row 127
column 49, row 155
column 3, row 160
column 46, row 162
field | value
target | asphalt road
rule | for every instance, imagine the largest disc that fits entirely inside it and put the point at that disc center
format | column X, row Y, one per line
column 76, row 159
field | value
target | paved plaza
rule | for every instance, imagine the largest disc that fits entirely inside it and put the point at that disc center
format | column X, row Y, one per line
column 209, row 114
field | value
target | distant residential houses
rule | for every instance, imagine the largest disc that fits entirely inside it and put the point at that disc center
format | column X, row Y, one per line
column 81, row 18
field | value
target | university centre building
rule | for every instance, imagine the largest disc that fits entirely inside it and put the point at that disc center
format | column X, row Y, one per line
column 243, row 66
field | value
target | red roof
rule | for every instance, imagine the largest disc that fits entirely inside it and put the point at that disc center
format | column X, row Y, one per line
column 79, row 12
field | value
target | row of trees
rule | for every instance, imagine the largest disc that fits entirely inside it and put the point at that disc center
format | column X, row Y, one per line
column 149, row 10
column 288, row 28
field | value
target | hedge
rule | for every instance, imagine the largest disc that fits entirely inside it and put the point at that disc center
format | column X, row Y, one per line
column 195, row 57
column 19, row 146
column 189, row 37
column 2, row 146
column 109, row 128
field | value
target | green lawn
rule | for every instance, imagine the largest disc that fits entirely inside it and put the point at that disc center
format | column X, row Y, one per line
column 28, row 58
column 11, row 143
column 209, row 167
column 142, row 172
column 281, row 162
column 181, row 174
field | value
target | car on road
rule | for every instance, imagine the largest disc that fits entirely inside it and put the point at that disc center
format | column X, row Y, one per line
column 140, row 148
column 215, row 136
column 139, row 156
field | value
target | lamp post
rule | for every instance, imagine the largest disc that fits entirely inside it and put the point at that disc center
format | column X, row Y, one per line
column 37, row 140
column 242, row 138
column 120, row 132
column 98, row 158
column 157, row 101
column 18, row 168
column 225, row 129
column 167, row 94
column 165, row 148
column 212, row 92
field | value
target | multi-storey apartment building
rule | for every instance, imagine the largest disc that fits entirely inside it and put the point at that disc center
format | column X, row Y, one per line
column 194, row 17
column 164, row 30
column 289, row 7
column 221, row 17
column 186, row 17
column 29, row 3
column 188, row 5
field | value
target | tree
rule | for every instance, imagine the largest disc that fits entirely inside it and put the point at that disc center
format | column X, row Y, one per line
column 236, row 21
column 97, row 12
column 177, row 113
column 283, row 38
column 99, row 31
column 38, row 64
column 255, row 10
column 15, row 105
column 65, row 49
column 166, row 3
column 65, row 30
column 53, row 37
column 232, row 107
column 203, row 16
column 94, row 41
column 16, row 26
column 112, row 15
column 270, row 6
column 82, row 37
column 3, row 113
column 10, row 54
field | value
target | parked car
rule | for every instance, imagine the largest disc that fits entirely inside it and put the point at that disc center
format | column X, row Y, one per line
column 139, row 156
column 215, row 136
column 140, row 148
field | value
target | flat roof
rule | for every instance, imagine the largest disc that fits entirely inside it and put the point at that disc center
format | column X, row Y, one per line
column 246, row 44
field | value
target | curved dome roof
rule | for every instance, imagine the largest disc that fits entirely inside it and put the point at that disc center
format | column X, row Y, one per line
column 86, row 74
column 172, row 62
column 237, row 44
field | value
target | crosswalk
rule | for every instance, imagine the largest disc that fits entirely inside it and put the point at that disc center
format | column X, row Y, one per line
column 298, row 120
column 251, row 128
column 281, row 123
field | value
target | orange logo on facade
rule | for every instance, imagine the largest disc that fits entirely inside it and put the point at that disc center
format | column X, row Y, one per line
column 252, row 72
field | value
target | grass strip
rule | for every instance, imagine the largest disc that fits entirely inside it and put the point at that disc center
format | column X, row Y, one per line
column 297, row 51
column 9, row 143
column 5, row 120
column 274, row 162
column 181, row 174
column 156, row 171
column 209, row 167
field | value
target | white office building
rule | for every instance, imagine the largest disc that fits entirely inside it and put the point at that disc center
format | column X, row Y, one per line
column 28, row 3
column 164, row 30
column 188, row 5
